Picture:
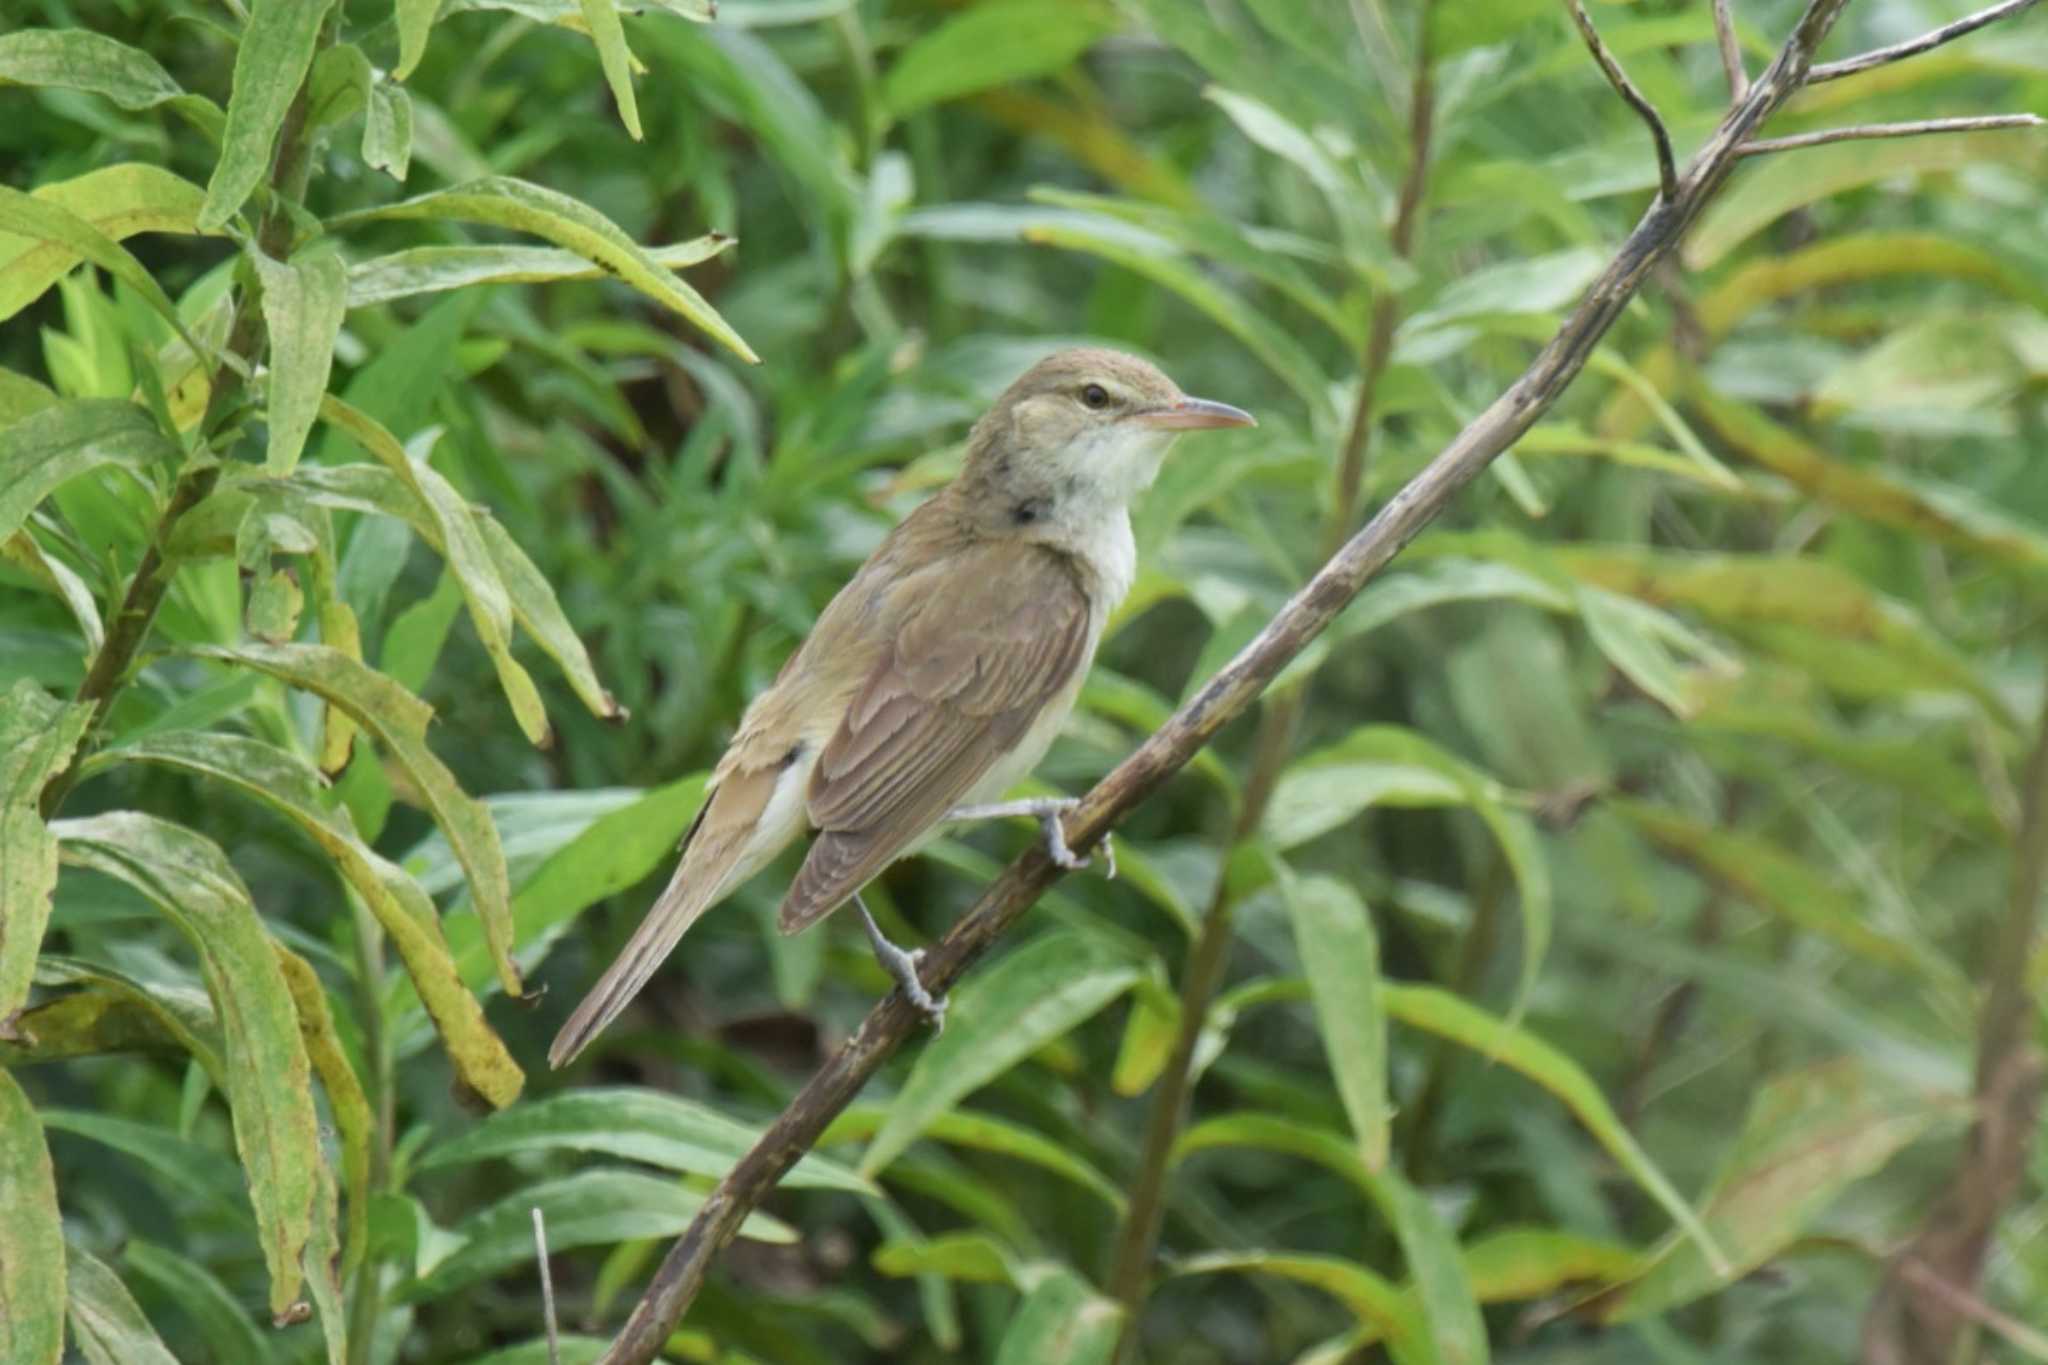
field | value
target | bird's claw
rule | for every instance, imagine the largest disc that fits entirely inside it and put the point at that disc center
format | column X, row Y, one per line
column 1056, row 841
column 902, row 969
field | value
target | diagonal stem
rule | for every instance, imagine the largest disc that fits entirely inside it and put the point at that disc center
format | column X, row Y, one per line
column 1913, row 47
column 1731, row 51
column 1225, row 696
column 1916, row 128
column 1667, row 172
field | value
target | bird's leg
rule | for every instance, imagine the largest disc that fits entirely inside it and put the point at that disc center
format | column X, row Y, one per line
column 902, row 969
column 1047, row 811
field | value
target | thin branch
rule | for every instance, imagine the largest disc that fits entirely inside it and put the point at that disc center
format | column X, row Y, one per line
column 1667, row 174
column 1224, row 697
column 1913, row 47
column 1731, row 51
column 1917, row 128
column 547, row 1287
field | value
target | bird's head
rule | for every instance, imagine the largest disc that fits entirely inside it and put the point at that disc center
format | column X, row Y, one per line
column 1084, row 428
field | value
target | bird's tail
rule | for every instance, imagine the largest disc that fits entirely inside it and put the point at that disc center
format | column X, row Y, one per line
column 689, row 894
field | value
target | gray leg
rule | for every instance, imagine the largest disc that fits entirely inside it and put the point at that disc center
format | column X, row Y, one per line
column 902, row 969
column 1047, row 811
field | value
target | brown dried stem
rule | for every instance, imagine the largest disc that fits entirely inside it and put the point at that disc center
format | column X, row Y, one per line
column 1913, row 47
column 1915, row 128
column 1222, row 698
column 1667, row 172
column 1731, row 51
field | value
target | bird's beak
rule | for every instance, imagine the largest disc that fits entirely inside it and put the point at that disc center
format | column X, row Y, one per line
column 1193, row 414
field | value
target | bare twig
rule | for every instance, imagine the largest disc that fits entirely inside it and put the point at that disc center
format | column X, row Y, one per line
column 1913, row 47
column 1976, row 1310
column 547, row 1287
column 1222, row 698
column 1731, row 51
column 1667, row 173
column 1916, row 128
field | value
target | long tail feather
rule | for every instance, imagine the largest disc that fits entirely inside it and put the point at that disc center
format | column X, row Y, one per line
column 678, row 908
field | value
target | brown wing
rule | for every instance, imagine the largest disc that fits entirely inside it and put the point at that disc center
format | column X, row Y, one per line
column 978, row 653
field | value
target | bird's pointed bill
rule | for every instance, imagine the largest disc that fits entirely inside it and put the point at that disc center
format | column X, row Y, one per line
column 1195, row 414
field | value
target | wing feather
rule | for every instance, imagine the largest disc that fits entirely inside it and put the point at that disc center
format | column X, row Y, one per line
column 974, row 658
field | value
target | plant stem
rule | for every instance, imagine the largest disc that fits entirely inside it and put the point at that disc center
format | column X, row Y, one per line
column 1217, row 702
column 129, row 626
column 1920, row 1309
column 1138, row 1236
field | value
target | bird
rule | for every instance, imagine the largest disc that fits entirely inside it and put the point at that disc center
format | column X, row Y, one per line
column 939, row 674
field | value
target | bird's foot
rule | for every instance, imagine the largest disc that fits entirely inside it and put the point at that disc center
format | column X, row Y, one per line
column 902, row 969
column 1047, row 810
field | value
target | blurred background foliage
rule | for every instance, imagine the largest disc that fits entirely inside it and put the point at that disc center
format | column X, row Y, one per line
column 1648, row 826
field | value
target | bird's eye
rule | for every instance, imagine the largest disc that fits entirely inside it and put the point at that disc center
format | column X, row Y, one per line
column 1095, row 396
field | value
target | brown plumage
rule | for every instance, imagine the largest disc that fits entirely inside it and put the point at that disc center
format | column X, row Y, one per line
column 940, row 673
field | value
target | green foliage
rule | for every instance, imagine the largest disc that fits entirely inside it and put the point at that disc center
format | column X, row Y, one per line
column 390, row 534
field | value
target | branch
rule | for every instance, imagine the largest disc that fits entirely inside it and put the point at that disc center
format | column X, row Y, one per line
column 1916, row 128
column 1667, row 175
column 1220, row 700
column 1731, row 51
column 1913, row 47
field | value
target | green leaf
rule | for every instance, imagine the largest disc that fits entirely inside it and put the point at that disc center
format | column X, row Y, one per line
column 1001, row 1016
column 32, row 1253
column 1367, row 1295
column 1636, row 638
column 971, row 1257
column 47, row 449
column 1775, row 881
column 662, row 1130
column 1351, row 201
column 184, row 1168
column 269, row 1079
column 1143, row 253
column 1390, row 765
column 1439, row 1012
column 1930, row 512
column 79, row 59
column 290, row 786
column 20, row 396
column 462, row 546
column 542, row 617
column 500, row 201
column 588, row 1209
column 222, row 1323
column 304, row 302
column 346, row 1102
column 387, row 130
column 1444, row 1303
column 602, row 17
column 26, row 553
column 1061, row 1319
column 1803, row 598
column 1810, row 1134
column 1786, row 183
column 416, row 635
column 106, row 1322
column 415, row 22
column 991, row 44
column 114, row 1011
column 398, row 719
column 986, row 1133
column 430, row 269
column 614, row 852
column 50, row 231
column 1340, row 954
column 37, row 737
column 271, row 62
